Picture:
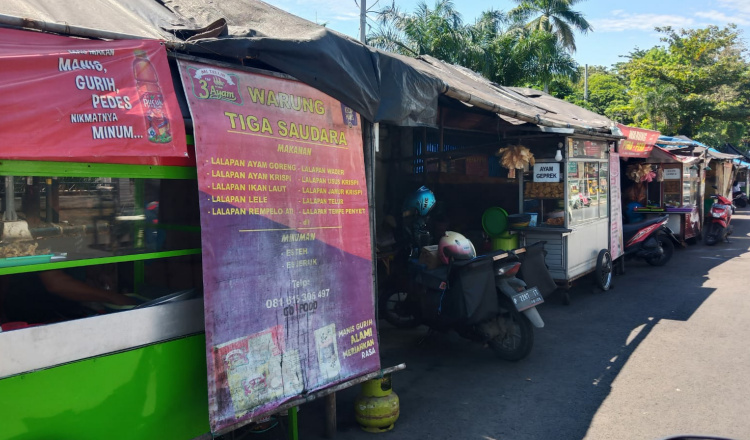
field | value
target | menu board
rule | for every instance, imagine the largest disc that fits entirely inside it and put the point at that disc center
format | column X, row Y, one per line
column 286, row 240
column 74, row 99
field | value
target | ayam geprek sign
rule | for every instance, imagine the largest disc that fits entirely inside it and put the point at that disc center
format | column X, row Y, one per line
column 287, row 263
column 67, row 99
column 639, row 142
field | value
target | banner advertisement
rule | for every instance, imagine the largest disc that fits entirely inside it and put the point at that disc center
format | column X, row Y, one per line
column 615, row 238
column 286, row 241
column 639, row 142
column 66, row 98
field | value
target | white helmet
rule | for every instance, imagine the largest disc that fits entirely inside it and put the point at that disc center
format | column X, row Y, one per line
column 455, row 245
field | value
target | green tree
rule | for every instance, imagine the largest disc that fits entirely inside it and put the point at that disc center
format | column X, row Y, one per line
column 656, row 107
column 607, row 94
column 697, row 85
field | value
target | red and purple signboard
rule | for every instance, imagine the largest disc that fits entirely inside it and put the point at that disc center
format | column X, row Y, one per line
column 286, row 241
column 639, row 142
column 64, row 98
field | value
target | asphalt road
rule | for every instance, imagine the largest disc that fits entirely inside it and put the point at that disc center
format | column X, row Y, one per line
column 664, row 352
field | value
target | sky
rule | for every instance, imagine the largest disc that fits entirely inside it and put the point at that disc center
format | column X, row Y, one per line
column 619, row 26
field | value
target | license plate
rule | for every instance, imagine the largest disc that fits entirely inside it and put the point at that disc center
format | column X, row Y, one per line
column 527, row 299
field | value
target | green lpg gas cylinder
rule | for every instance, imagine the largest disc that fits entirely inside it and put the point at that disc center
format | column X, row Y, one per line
column 376, row 409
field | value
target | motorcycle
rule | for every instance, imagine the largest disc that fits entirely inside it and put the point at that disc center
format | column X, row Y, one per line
column 739, row 199
column 718, row 227
column 480, row 298
column 651, row 240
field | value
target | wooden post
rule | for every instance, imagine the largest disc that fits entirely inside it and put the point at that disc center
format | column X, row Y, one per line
column 331, row 415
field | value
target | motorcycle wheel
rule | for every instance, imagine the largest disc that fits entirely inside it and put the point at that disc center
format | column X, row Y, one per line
column 604, row 270
column 517, row 342
column 741, row 203
column 712, row 234
column 668, row 250
column 397, row 310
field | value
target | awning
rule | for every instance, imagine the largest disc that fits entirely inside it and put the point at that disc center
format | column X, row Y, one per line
column 717, row 155
column 661, row 155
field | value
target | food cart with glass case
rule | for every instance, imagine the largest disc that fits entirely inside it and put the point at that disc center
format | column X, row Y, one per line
column 571, row 200
column 676, row 192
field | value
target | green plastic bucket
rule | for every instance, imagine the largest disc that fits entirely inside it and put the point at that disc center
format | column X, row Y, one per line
column 495, row 221
column 505, row 242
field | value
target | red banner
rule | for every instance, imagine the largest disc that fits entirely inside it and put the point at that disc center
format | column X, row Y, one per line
column 287, row 258
column 67, row 99
column 639, row 142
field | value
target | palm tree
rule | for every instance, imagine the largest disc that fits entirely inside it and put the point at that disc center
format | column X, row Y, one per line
column 438, row 32
column 545, row 58
column 553, row 16
column 501, row 51
column 483, row 46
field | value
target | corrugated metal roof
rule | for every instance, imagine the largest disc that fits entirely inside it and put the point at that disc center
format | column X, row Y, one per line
column 680, row 142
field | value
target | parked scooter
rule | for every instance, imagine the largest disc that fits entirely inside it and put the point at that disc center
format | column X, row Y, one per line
column 739, row 199
column 651, row 240
column 718, row 227
column 477, row 296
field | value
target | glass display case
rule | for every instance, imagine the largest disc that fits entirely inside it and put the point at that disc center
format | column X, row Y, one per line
column 690, row 186
column 676, row 192
column 679, row 186
column 672, row 185
column 588, row 191
column 546, row 199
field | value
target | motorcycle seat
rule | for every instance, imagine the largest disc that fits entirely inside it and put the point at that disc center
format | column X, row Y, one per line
column 630, row 229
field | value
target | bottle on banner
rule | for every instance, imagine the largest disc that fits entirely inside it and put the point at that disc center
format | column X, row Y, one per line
column 152, row 99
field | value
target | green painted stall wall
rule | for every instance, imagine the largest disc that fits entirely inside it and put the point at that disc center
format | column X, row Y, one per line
column 154, row 392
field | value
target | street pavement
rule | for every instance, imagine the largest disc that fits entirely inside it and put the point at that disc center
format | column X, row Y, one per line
column 665, row 352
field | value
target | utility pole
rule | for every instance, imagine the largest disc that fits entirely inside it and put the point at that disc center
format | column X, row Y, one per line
column 585, row 83
column 362, row 21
